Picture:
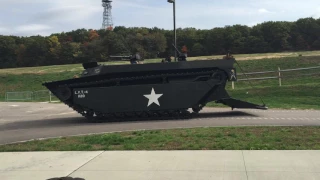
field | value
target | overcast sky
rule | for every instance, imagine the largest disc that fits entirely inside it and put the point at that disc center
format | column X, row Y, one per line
column 33, row 17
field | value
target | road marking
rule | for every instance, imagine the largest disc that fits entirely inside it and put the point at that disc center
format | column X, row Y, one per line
column 268, row 118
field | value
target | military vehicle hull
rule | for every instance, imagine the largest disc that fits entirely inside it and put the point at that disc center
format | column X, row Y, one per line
column 148, row 90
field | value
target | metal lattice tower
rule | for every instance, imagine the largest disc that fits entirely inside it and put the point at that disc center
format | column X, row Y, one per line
column 107, row 16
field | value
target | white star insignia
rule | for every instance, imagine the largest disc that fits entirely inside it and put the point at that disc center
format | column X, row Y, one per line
column 153, row 98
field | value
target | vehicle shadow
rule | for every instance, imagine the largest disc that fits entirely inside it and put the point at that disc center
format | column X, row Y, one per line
column 81, row 121
column 66, row 178
column 226, row 114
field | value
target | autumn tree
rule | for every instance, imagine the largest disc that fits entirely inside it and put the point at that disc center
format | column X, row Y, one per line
column 54, row 49
column 93, row 35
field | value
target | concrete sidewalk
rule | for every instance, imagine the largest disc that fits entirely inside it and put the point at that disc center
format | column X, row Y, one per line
column 160, row 165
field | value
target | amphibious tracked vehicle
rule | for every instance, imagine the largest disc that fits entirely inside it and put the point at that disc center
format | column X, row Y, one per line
column 161, row 90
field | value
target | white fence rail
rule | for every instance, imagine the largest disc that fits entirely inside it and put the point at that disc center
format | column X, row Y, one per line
column 278, row 74
column 19, row 96
column 43, row 95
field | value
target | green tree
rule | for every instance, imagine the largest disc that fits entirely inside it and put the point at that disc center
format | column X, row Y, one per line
column 197, row 50
column 7, row 52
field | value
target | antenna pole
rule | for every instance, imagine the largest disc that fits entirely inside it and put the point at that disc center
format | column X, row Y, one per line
column 174, row 27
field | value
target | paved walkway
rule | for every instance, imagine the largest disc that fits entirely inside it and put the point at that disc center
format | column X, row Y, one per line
column 160, row 165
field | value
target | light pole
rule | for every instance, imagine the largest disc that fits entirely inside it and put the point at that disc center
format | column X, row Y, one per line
column 174, row 27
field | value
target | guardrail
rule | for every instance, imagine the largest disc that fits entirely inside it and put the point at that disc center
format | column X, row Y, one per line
column 279, row 74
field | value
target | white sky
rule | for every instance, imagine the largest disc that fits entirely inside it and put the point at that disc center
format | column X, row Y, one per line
column 32, row 17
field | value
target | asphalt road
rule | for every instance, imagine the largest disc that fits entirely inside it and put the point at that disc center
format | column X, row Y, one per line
column 27, row 121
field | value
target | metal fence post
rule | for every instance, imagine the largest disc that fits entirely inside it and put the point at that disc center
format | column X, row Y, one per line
column 50, row 96
column 279, row 71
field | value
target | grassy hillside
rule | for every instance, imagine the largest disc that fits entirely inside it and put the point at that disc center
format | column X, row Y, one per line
column 77, row 67
column 264, row 55
column 296, row 92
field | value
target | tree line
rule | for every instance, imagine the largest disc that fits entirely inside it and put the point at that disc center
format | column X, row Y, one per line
column 85, row 45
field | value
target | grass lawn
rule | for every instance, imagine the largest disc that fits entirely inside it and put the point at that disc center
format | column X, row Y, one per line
column 228, row 138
